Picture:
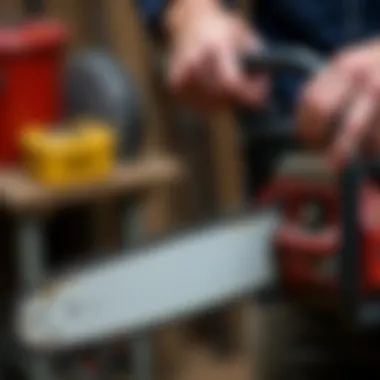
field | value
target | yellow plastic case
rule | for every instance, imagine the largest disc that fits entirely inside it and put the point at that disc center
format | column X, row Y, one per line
column 70, row 157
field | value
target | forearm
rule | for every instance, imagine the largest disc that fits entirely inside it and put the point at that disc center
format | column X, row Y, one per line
column 178, row 11
column 198, row 5
column 194, row 3
column 156, row 13
column 207, row 3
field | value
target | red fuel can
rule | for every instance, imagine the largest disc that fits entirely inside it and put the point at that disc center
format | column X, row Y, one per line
column 31, row 64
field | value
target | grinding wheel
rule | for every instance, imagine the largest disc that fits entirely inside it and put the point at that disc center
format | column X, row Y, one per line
column 97, row 85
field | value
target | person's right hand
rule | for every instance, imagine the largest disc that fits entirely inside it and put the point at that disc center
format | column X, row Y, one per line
column 204, row 70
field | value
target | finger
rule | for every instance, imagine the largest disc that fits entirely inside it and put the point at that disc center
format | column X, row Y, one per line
column 252, row 90
column 322, row 101
column 185, row 65
column 356, row 124
column 248, row 40
column 196, row 96
column 371, row 145
column 196, row 83
column 208, row 82
column 226, row 67
column 200, row 94
column 210, row 77
column 175, row 72
column 233, row 81
column 372, row 137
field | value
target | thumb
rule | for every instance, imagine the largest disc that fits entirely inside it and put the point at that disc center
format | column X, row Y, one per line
column 252, row 89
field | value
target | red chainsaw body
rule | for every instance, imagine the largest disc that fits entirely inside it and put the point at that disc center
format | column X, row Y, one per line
column 307, row 257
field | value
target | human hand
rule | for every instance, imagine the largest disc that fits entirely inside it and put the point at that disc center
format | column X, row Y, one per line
column 204, row 70
column 347, row 92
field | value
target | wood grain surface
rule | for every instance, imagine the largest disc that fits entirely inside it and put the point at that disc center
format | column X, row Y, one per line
column 22, row 194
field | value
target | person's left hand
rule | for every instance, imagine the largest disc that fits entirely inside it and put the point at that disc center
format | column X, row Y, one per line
column 341, row 106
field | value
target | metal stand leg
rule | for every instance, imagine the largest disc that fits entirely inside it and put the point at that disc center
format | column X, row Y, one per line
column 31, row 271
column 141, row 345
column 141, row 351
column 31, row 253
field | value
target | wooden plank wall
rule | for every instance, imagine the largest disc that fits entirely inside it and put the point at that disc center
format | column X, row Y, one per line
column 10, row 9
column 128, row 38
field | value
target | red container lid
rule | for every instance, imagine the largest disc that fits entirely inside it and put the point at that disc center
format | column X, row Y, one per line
column 32, row 35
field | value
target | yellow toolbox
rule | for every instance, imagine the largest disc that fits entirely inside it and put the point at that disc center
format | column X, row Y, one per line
column 63, row 158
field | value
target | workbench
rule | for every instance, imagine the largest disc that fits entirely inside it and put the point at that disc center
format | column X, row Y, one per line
column 31, row 206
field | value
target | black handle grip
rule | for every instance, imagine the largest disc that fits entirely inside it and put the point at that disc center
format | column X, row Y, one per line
column 349, row 262
column 359, row 309
column 283, row 60
column 269, row 124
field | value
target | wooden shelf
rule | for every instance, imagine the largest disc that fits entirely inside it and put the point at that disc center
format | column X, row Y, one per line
column 21, row 194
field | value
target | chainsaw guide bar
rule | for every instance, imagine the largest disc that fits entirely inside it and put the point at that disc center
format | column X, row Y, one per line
column 148, row 287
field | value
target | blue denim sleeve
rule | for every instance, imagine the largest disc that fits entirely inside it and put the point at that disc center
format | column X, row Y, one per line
column 152, row 11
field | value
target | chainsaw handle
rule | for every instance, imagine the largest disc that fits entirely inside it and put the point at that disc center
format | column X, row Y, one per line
column 273, row 60
column 303, row 63
column 277, row 59
column 362, row 313
column 270, row 124
column 351, row 240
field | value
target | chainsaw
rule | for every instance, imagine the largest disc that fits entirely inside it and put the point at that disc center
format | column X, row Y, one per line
column 312, row 232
